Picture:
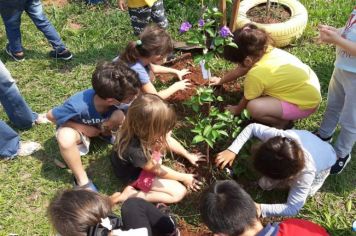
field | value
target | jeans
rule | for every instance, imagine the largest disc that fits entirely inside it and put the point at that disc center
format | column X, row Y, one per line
column 11, row 11
column 17, row 110
column 341, row 109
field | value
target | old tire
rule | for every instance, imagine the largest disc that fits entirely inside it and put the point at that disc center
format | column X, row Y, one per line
column 282, row 33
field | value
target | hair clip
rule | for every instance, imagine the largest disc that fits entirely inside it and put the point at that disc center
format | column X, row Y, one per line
column 138, row 42
column 106, row 223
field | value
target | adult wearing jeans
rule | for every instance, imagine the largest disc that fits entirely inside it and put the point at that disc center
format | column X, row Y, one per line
column 19, row 114
column 11, row 11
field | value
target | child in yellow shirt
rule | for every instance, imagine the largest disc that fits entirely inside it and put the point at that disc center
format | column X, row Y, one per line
column 278, row 87
column 142, row 12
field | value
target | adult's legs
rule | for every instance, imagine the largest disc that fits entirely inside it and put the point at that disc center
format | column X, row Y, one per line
column 14, row 105
column 34, row 10
column 138, row 213
column 9, row 141
column 267, row 110
column 68, row 139
column 11, row 12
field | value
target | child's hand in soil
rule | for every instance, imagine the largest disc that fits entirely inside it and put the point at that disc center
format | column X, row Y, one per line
column 195, row 158
column 225, row 157
column 234, row 109
column 182, row 85
column 215, row 80
column 192, row 182
column 181, row 73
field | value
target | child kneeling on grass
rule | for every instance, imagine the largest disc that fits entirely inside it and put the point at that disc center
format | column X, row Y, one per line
column 296, row 159
column 228, row 210
column 85, row 213
column 278, row 87
column 144, row 136
column 146, row 55
column 91, row 113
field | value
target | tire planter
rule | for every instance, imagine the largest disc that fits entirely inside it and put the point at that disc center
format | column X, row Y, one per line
column 282, row 33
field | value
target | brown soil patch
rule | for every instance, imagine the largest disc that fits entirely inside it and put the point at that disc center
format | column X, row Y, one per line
column 278, row 13
column 58, row 3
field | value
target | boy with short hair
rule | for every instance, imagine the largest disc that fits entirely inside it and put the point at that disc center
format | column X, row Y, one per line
column 91, row 113
column 230, row 211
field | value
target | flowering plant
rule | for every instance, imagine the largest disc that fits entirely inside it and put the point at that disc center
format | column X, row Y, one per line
column 207, row 34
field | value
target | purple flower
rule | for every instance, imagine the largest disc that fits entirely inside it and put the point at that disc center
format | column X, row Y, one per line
column 201, row 23
column 184, row 27
column 225, row 32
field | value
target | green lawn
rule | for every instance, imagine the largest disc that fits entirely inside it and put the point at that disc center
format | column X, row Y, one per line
column 97, row 33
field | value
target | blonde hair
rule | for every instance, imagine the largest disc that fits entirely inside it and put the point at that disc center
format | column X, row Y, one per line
column 149, row 119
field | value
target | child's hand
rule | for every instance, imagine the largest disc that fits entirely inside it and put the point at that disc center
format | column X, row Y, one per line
column 194, row 158
column 181, row 73
column 225, row 157
column 192, row 182
column 234, row 109
column 122, row 5
column 328, row 34
column 182, row 85
column 215, row 80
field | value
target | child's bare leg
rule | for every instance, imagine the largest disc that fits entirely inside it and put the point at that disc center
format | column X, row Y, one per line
column 128, row 192
column 267, row 110
column 164, row 190
column 68, row 139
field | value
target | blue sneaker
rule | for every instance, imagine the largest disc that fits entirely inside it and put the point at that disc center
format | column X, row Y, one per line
column 89, row 186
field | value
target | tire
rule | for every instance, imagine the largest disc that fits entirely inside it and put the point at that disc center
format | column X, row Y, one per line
column 281, row 33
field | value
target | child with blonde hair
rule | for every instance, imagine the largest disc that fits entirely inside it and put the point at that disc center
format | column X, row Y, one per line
column 143, row 138
column 146, row 55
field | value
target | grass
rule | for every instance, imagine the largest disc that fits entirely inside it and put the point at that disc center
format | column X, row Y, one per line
column 97, row 33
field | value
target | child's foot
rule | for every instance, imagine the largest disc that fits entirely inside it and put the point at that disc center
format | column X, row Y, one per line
column 17, row 56
column 128, row 192
column 63, row 55
column 27, row 148
column 340, row 164
column 42, row 119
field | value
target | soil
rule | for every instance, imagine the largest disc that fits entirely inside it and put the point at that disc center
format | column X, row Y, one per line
column 278, row 13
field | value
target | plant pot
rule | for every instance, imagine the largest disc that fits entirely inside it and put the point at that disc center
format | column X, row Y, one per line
column 281, row 33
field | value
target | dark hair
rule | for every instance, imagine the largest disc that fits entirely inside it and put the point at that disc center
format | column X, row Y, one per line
column 250, row 40
column 226, row 208
column 115, row 80
column 279, row 158
column 152, row 41
column 73, row 212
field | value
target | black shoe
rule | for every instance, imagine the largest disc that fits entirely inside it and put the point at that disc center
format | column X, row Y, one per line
column 13, row 55
column 327, row 139
column 64, row 55
column 340, row 164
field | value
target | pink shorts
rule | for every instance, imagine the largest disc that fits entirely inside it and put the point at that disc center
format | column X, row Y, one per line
column 293, row 112
column 145, row 179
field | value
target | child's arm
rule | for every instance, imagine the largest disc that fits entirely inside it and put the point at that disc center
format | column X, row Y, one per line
column 165, row 172
column 165, row 93
column 259, row 131
column 50, row 116
column 230, row 76
column 297, row 196
column 236, row 110
column 177, row 148
column 331, row 36
column 166, row 70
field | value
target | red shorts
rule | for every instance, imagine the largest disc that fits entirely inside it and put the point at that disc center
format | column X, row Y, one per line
column 145, row 179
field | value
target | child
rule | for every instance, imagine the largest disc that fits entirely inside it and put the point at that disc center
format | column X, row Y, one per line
column 143, row 138
column 85, row 213
column 278, row 88
column 11, row 12
column 145, row 56
column 229, row 211
column 142, row 11
column 293, row 158
column 341, row 94
column 82, row 115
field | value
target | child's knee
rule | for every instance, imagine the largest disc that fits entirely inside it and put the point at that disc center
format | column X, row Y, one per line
column 67, row 137
column 254, row 108
column 179, row 192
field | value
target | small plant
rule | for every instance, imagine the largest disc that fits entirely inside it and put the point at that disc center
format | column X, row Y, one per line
column 207, row 34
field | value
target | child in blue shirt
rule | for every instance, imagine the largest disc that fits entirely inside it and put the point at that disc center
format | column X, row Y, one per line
column 93, row 112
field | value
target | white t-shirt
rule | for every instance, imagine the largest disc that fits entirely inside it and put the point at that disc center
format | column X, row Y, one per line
column 344, row 60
